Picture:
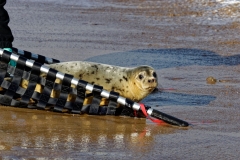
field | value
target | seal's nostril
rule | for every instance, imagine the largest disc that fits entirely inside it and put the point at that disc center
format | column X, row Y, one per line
column 151, row 80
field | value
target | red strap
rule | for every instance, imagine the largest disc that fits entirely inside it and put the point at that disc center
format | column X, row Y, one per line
column 147, row 116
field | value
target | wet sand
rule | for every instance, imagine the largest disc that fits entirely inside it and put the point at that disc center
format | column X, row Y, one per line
column 127, row 34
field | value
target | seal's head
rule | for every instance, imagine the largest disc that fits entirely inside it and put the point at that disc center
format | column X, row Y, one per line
column 146, row 78
column 144, row 81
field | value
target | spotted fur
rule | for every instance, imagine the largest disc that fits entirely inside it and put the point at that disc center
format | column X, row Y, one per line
column 133, row 83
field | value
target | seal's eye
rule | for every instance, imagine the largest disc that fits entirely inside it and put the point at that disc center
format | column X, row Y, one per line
column 140, row 76
column 154, row 74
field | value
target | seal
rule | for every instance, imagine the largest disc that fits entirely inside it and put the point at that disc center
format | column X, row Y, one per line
column 133, row 83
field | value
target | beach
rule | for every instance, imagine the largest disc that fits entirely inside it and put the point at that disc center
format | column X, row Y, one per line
column 185, row 41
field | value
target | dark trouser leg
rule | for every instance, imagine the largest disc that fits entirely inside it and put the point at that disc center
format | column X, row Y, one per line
column 6, row 37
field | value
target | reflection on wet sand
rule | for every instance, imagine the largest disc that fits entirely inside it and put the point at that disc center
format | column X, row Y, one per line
column 31, row 131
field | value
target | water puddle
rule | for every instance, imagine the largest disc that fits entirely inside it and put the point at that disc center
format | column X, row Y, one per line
column 177, row 99
column 167, row 58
